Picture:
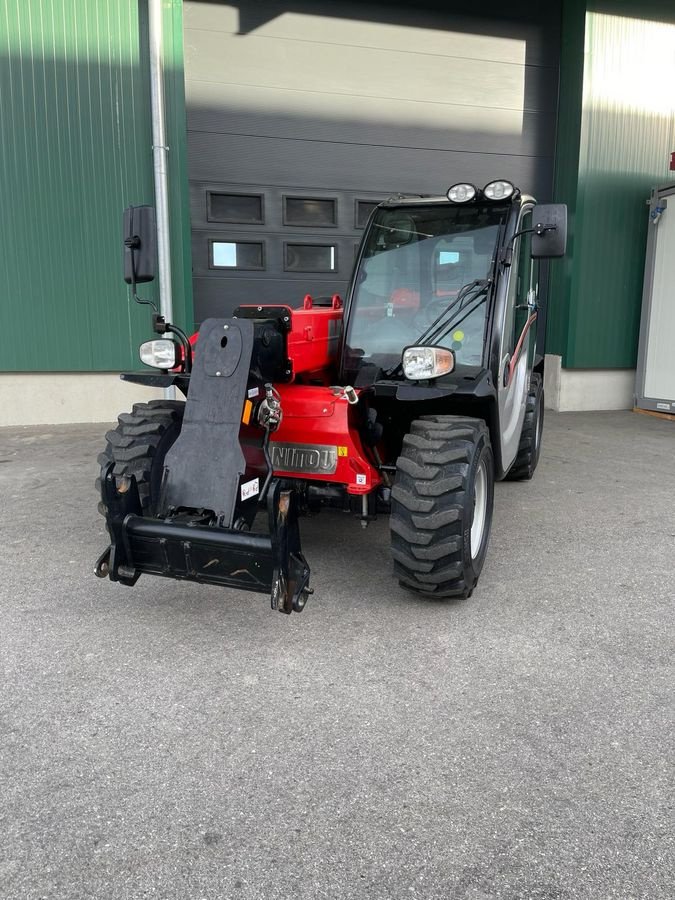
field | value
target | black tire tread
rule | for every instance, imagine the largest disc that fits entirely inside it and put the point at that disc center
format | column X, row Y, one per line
column 427, row 504
column 132, row 445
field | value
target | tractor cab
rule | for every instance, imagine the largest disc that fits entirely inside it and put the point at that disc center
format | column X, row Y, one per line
column 424, row 273
column 444, row 303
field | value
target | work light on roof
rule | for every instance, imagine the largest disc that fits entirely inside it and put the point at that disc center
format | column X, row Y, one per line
column 498, row 190
column 461, row 193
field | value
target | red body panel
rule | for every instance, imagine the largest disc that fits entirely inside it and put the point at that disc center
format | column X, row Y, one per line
column 318, row 422
column 319, row 417
column 313, row 337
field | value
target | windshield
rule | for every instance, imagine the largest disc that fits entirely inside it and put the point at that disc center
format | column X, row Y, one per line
column 416, row 261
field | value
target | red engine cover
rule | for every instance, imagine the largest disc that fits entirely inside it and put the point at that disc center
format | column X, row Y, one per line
column 316, row 439
column 313, row 337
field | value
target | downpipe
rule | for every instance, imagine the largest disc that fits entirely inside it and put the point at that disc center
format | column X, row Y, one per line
column 160, row 156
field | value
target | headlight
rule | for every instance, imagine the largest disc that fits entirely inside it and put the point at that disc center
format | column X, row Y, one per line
column 160, row 354
column 461, row 193
column 498, row 190
column 420, row 363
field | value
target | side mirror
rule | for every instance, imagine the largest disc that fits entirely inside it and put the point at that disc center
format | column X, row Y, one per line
column 550, row 230
column 140, row 244
column 399, row 232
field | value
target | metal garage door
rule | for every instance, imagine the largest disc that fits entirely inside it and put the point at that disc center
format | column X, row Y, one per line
column 302, row 115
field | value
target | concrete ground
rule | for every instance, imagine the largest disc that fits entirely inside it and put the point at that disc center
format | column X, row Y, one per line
column 178, row 741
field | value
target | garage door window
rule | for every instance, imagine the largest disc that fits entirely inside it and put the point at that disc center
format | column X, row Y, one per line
column 244, row 209
column 236, row 255
column 363, row 209
column 310, row 258
column 313, row 212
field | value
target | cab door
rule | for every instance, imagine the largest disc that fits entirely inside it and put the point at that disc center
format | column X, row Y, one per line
column 517, row 343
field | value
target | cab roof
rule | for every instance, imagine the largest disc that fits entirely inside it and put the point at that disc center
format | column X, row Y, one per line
column 430, row 199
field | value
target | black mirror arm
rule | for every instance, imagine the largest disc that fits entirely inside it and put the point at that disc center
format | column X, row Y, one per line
column 161, row 326
column 539, row 229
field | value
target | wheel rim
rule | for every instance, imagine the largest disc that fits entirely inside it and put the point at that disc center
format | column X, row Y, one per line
column 480, row 500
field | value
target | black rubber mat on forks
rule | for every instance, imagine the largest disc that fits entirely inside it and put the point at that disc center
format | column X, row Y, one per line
column 204, row 466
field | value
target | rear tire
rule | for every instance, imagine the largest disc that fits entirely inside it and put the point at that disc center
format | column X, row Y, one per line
column 529, row 448
column 138, row 446
column 441, row 509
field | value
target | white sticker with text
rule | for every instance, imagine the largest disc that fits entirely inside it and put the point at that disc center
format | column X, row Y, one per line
column 360, row 479
column 250, row 489
column 253, row 392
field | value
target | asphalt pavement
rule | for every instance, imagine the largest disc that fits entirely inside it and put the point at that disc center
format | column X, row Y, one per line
column 183, row 741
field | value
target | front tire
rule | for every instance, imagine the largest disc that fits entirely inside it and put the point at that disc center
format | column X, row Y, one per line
column 442, row 503
column 138, row 446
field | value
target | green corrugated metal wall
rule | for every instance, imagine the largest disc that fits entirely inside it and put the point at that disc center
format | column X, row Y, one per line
column 75, row 149
column 565, row 176
column 609, row 157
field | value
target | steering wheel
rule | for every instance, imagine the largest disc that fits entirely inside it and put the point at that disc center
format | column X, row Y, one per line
column 432, row 310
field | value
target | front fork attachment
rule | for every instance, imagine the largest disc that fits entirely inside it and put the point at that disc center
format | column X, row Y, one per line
column 288, row 572
column 291, row 587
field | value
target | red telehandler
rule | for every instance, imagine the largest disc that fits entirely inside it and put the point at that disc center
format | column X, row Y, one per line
column 409, row 399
